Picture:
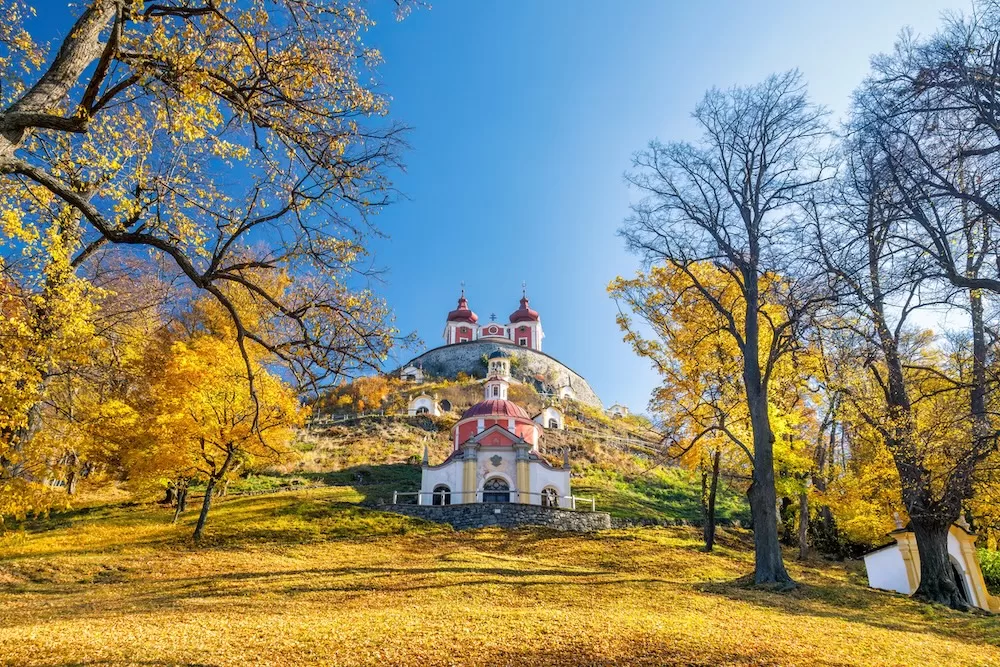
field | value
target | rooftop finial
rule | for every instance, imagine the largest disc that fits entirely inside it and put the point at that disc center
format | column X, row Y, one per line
column 463, row 287
column 524, row 289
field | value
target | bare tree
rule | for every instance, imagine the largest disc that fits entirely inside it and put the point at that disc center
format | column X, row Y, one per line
column 733, row 200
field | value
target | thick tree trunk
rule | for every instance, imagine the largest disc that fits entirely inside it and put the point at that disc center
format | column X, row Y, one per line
column 710, row 505
column 803, row 524
column 937, row 575
column 769, row 566
column 71, row 480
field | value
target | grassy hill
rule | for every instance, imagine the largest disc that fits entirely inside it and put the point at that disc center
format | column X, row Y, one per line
column 310, row 577
column 383, row 455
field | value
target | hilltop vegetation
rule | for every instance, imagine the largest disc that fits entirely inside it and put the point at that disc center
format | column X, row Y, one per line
column 311, row 578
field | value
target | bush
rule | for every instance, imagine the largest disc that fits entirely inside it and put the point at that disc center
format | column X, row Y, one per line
column 990, row 562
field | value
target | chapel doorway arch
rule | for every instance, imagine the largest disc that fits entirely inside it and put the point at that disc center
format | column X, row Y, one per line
column 496, row 490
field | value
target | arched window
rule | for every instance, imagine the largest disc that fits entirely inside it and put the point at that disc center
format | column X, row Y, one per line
column 496, row 490
column 423, row 410
column 442, row 495
column 553, row 423
column 550, row 497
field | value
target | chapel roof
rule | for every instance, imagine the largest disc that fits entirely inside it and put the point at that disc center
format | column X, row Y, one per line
column 494, row 407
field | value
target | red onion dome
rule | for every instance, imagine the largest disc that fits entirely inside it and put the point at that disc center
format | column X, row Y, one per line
column 524, row 314
column 462, row 313
column 495, row 407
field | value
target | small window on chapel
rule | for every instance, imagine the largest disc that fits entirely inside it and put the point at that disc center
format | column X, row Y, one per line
column 522, row 342
column 496, row 390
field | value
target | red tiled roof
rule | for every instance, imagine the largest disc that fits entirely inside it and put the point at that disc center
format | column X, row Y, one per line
column 495, row 407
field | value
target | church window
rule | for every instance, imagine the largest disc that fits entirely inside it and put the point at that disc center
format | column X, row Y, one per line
column 553, row 423
column 442, row 495
column 496, row 390
column 550, row 497
column 496, row 490
column 423, row 410
column 522, row 341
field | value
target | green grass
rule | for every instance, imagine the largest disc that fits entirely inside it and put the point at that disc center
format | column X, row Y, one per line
column 661, row 494
column 309, row 577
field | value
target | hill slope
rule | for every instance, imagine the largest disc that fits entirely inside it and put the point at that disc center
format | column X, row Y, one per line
column 383, row 455
column 310, row 578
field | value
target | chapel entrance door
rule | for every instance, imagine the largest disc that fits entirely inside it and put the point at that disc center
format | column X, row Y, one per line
column 496, row 490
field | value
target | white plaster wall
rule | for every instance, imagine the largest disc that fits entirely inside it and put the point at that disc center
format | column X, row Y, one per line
column 887, row 571
column 449, row 474
column 542, row 477
column 507, row 468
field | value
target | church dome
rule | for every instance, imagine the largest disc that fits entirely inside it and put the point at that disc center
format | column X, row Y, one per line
column 496, row 408
column 524, row 313
column 499, row 354
column 462, row 313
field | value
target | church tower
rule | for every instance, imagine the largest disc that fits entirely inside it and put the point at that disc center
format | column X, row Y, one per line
column 461, row 324
column 526, row 326
column 497, row 376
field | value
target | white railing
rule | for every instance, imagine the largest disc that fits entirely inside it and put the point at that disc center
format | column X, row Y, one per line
column 422, row 495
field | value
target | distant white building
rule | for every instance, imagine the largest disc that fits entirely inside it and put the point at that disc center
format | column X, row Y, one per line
column 423, row 405
column 412, row 373
column 551, row 417
column 896, row 566
column 617, row 411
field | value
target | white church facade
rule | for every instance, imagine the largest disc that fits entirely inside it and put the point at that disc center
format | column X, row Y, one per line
column 495, row 456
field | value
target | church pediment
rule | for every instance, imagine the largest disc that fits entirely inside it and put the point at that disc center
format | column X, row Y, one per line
column 497, row 436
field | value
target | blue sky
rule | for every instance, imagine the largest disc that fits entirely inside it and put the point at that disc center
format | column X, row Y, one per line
column 525, row 116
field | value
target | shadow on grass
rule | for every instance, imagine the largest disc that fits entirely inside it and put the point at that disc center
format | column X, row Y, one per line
column 829, row 597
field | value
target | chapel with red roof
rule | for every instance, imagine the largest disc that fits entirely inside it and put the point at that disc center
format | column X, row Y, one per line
column 494, row 457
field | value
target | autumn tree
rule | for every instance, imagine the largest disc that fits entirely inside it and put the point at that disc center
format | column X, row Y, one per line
column 904, row 391
column 241, row 142
column 208, row 421
column 701, row 404
column 731, row 200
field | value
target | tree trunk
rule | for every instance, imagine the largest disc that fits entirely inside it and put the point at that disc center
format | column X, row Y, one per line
column 769, row 567
column 169, row 496
column 207, row 502
column 710, row 513
column 937, row 576
column 71, row 479
column 803, row 524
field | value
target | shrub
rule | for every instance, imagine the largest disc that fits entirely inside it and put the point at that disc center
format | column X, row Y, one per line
column 990, row 562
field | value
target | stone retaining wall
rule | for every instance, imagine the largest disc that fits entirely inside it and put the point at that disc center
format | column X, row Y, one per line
column 450, row 360
column 505, row 515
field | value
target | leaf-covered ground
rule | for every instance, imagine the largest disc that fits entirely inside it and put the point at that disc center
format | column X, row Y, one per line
column 310, row 578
